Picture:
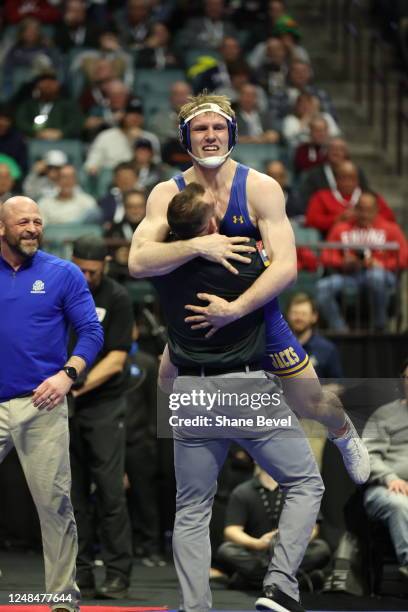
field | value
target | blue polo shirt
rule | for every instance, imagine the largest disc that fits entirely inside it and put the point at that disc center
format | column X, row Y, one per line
column 38, row 303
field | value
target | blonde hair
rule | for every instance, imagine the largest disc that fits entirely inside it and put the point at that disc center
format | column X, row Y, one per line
column 203, row 98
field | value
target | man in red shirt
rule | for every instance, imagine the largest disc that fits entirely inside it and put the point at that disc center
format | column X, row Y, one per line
column 365, row 265
column 329, row 206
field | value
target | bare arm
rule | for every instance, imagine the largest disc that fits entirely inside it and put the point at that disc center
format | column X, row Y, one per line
column 111, row 364
column 267, row 200
column 150, row 256
column 237, row 535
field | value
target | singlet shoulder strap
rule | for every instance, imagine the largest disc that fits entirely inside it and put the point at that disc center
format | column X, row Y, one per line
column 180, row 182
column 238, row 192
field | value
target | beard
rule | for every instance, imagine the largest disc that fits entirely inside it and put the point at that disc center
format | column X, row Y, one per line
column 21, row 247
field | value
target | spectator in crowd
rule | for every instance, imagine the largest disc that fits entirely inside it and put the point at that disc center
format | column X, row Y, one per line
column 6, row 183
column 74, row 31
column 109, row 110
column 296, row 126
column 11, row 141
column 102, row 71
column 253, row 126
column 157, row 51
column 70, row 204
column 207, row 31
column 329, row 206
column 43, row 10
column 278, row 171
column 240, row 74
column 32, row 51
column 98, row 433
column 386, row 497
column 282, row 102
column 322, row 177
column 42, row 180
column 217, row 77
column 272, row 67
column 48, row 114
column 267, row 21
column 109, row 47
column 134, row 203
column 364, row 264
column 148, row 172
column 115, row 145
column 302, row 316
column 252, row 530
column 111, row 204
column 166, row 122
column 313, row 152
column 287, row 29
column 133, row 23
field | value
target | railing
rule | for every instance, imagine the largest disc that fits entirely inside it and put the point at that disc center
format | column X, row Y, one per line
column 345, row 21
column 143, row 293
column 402, row 121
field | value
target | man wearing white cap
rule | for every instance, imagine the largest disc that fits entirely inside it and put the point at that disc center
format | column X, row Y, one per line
column 41, row 182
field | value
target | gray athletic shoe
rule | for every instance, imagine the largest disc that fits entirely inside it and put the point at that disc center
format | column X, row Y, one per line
column 354, row 452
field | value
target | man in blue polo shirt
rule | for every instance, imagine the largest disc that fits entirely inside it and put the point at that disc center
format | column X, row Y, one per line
column 41, row 296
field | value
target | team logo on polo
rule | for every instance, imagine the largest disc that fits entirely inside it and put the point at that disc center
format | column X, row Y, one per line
column 38, row 287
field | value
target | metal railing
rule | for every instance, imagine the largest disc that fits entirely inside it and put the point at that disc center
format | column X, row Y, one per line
column 402, row 122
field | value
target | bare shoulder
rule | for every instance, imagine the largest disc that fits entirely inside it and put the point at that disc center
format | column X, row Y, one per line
column 160, row 197
column 262, row 192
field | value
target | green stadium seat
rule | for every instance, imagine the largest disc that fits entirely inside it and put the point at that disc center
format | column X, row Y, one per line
column 141, row 292
column 156, row 82
column 58, row 238
column 306, row 283
column 74, row 150
column 97, row 185
column 306, row 235
column 256, row 155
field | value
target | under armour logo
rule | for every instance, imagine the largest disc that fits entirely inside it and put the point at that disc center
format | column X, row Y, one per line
column 239, row 219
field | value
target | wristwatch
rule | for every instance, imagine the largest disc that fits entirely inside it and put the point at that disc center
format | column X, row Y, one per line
column 70, row 372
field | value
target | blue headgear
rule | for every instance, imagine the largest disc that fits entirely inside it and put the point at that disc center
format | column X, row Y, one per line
column 184, row 125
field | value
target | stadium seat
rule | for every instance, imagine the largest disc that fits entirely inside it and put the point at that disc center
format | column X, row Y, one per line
column 305, row 235
column 74, row 150
column 256, row 155
column 141, row 292
column 97, row 185
column 156, row 82
column 58, row 238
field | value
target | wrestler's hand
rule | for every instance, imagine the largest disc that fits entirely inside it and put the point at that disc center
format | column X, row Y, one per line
column 217, row 314
column 220, row 248
column 398, row 486
column 52, row 391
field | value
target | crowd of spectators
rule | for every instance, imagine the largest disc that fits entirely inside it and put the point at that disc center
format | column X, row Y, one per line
column 88, row 128
column 90, row 72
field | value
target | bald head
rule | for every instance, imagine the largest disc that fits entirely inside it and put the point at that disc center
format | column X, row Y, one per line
column 21, row 229
column 347, row 179
column 16, row 206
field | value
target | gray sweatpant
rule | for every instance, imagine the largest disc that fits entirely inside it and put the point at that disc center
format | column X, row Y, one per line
column 42, row 443
column 289, row 460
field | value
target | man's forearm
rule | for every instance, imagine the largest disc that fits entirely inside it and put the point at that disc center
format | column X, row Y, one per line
column 104, row 370
column 158, row 258
column 269, row 285
column 76, row 362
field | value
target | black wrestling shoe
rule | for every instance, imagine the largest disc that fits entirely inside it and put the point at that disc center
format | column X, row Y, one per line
column 114, row 587
column 274, row 599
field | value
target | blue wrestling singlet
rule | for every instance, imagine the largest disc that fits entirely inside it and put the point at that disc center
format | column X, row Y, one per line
column 285, row 355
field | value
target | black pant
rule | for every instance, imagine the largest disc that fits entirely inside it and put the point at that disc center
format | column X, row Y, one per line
column 252, row 564
column 97, row 456
column 141, row 468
